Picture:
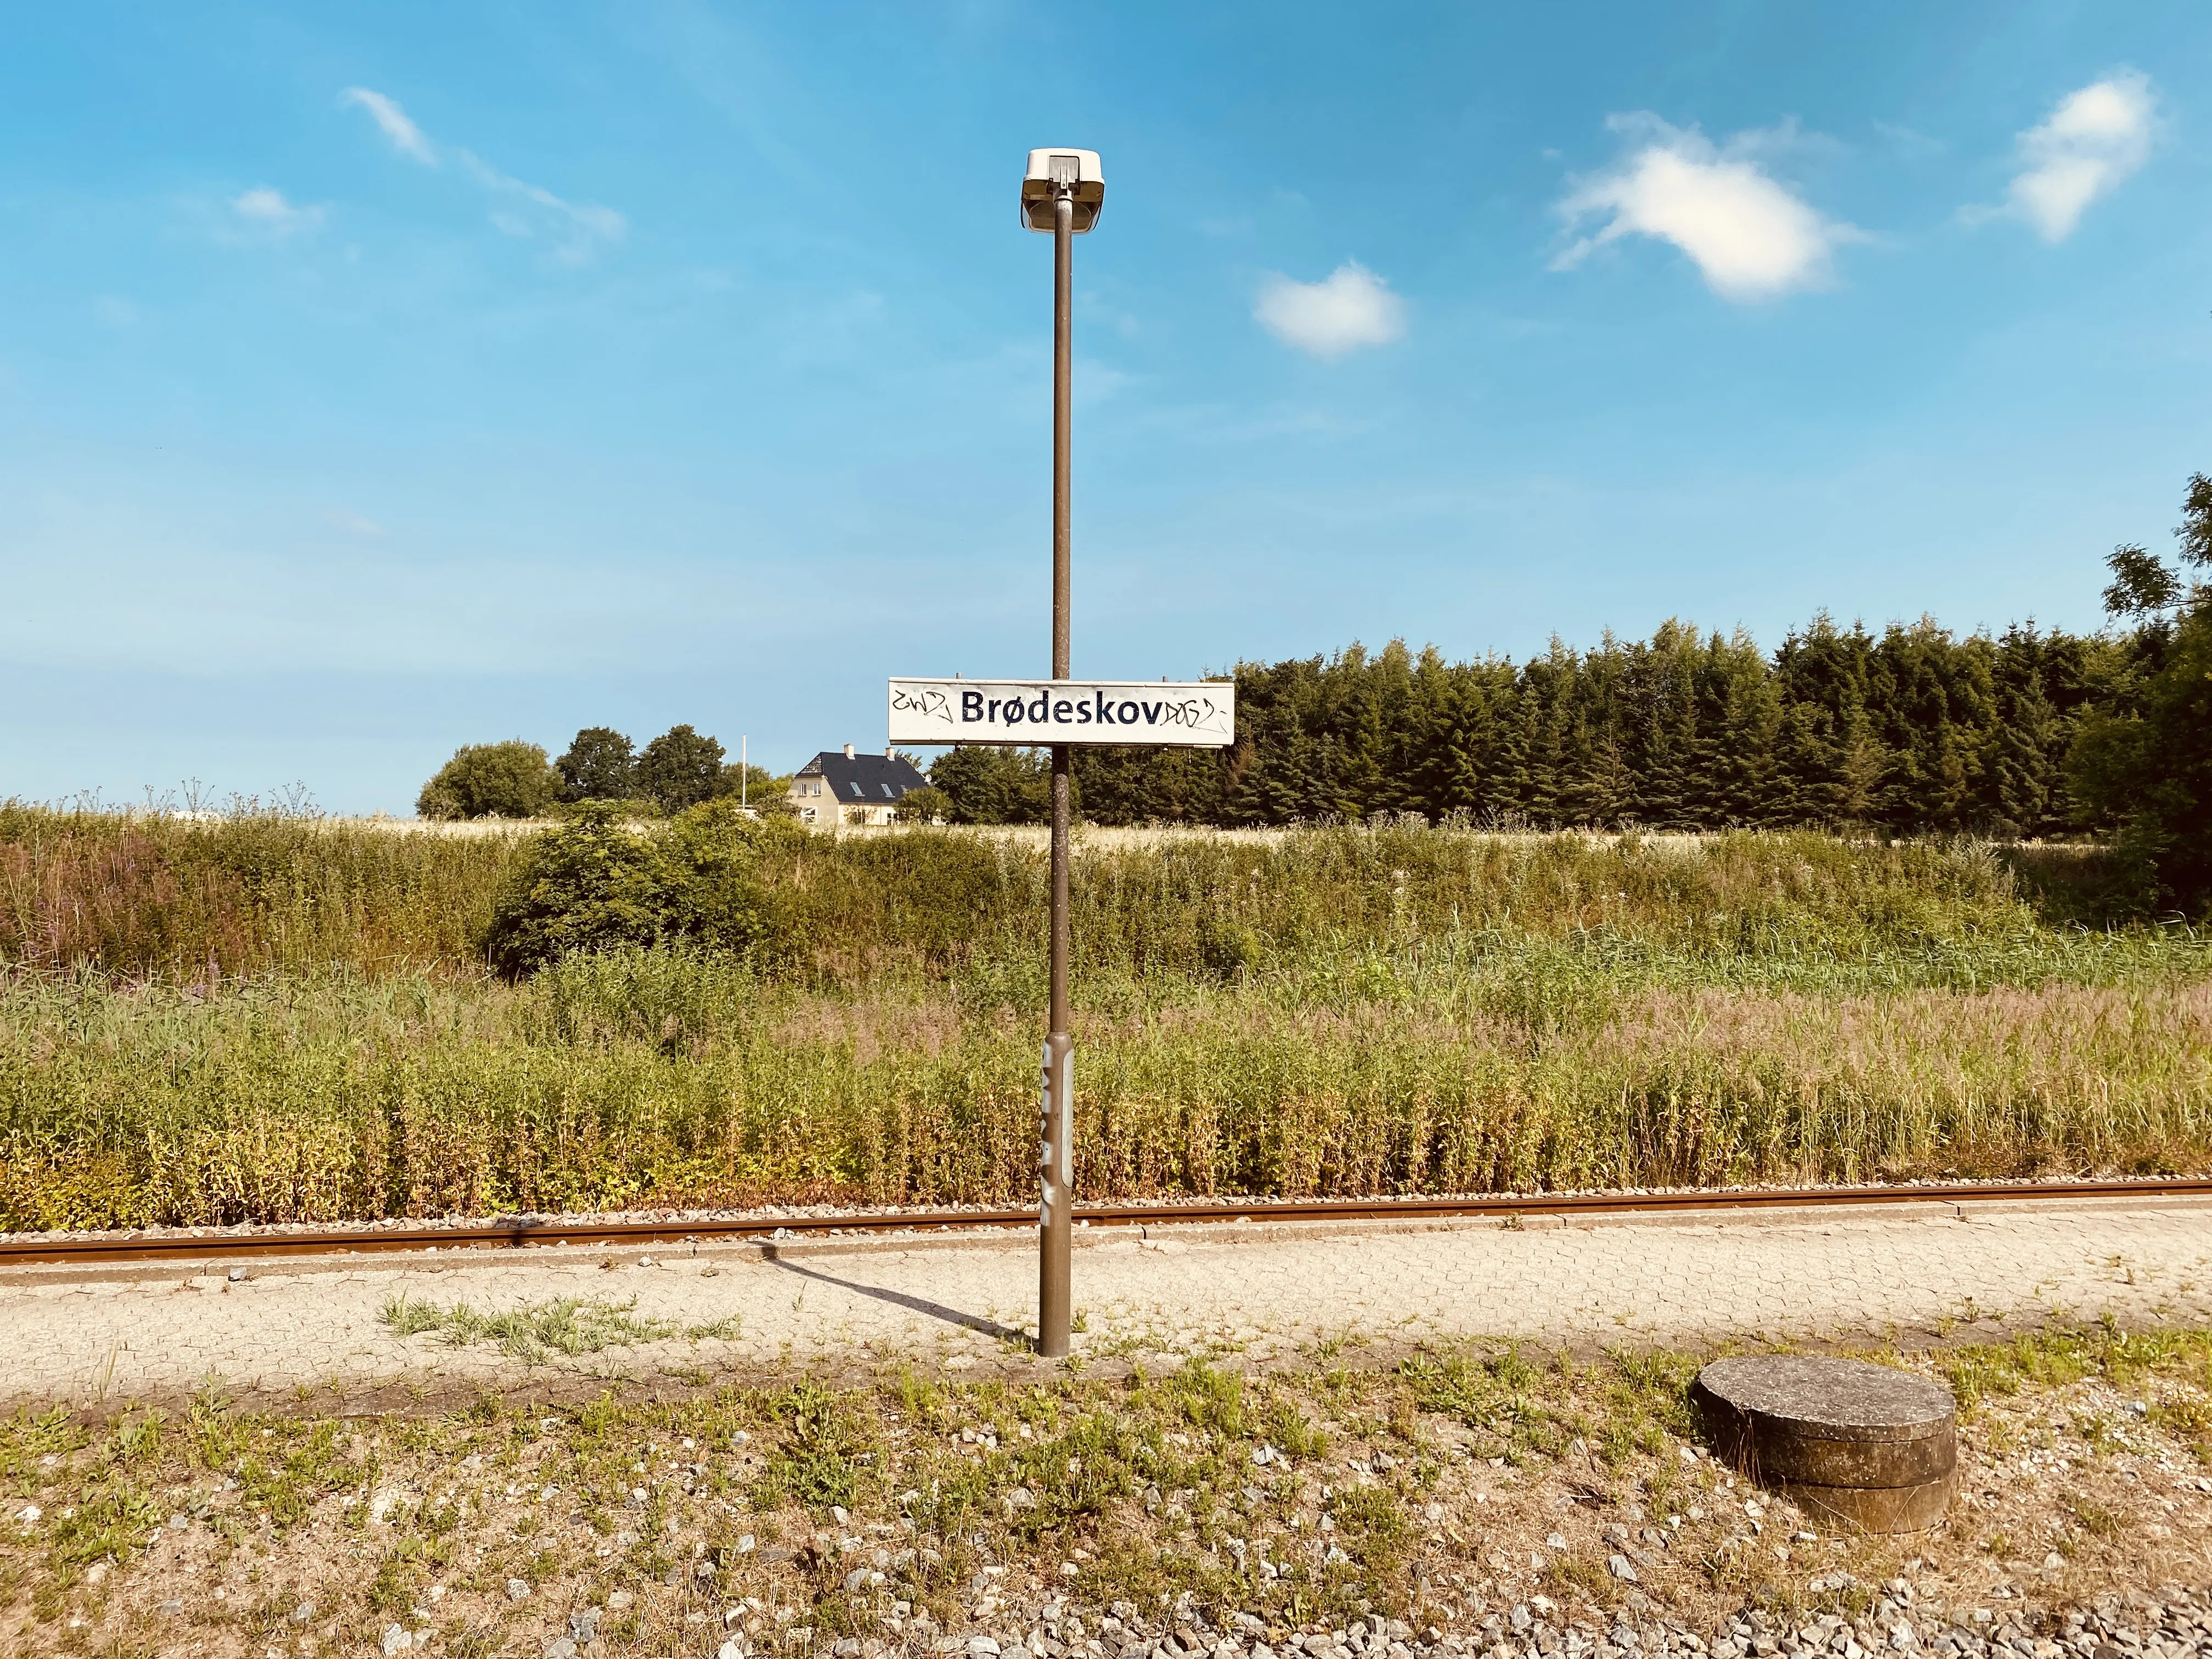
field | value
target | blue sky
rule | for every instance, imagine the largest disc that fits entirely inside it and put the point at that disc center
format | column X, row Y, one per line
column 375, row 378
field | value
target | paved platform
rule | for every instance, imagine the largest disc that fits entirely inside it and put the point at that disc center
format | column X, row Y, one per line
column 1914, row 1273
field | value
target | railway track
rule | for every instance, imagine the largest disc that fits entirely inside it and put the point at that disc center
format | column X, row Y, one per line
column 525, row 1232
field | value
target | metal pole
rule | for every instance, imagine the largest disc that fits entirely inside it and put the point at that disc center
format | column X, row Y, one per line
column 745, row 772
column 1056, row 1150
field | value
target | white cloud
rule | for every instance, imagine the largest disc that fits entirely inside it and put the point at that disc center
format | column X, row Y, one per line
column 527, row 210
column 1750, row 238
column 1349, row 308
column 267, row 209
column 519, row 208
column 406, row 137
column 2093, row 141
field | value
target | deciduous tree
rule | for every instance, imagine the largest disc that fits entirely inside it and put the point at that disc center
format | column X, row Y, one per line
column 2145, row 761
column 679, row 769
column 510, row 780
column 600, row 765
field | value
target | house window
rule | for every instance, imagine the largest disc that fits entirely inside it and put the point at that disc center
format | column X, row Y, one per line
column 806, row 815
column 887, row 794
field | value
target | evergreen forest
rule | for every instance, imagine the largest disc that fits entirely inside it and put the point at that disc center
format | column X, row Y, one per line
column 1911, row 731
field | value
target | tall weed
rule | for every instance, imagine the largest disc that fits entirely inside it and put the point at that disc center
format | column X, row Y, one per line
column 658, row 1080
column 1351, row 1011
column 133, row 898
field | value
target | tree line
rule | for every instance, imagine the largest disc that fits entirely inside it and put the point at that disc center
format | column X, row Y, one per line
column 1910, row 731
column 679, row 769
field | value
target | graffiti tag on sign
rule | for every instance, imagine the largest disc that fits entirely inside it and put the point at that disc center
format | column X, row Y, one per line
column 1199, row 714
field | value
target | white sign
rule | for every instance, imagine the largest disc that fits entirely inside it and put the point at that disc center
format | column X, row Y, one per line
column 1199, row 715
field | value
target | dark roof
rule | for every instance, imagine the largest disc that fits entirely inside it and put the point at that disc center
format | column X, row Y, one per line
column 855, row 778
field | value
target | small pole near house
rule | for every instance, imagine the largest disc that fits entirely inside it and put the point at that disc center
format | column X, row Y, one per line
column 745, row 772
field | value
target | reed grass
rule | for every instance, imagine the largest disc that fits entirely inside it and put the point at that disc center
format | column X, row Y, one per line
column 154, row 896
column 1345, row 1012
column 161, row 895
column 657, row 1081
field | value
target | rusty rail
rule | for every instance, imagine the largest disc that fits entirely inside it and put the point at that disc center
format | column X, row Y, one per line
column 529, row 1232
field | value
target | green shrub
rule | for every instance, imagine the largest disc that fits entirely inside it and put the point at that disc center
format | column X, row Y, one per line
column 602, row 882
column 987, row 785
column 927, row 804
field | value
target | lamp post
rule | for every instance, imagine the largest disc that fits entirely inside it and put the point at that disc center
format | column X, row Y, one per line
column 1062, row 192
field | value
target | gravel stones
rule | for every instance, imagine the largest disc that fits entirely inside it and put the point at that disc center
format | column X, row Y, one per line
column 1897, row 1622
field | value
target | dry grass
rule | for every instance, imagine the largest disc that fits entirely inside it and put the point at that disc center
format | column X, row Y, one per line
column 133, row 898
column 1444, row 1491
column 1346, row 1012
column 705, row 1088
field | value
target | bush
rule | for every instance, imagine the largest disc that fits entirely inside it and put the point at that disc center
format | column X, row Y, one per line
column 511, row 779
column 986, row 783
column 927, row 804
column 602, row 882
column 635, row 806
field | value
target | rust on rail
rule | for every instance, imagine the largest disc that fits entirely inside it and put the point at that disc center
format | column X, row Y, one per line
column 528, row 1232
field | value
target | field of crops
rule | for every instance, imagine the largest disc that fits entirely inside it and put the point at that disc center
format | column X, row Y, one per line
column 283, row 1018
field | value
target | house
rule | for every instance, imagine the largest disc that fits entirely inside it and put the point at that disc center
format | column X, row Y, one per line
column 835, row 789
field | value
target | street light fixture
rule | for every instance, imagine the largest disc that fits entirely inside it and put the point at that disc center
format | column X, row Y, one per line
column 1062, row 192
column 1052, row 171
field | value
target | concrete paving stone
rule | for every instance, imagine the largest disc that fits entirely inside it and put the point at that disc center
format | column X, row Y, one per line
column 1568, row 1286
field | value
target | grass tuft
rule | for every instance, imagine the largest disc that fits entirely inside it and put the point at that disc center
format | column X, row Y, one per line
column 566, row 1326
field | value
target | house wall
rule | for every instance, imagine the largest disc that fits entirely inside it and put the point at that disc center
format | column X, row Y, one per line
column 877, row 811
column 823, row 806
column 830, row 811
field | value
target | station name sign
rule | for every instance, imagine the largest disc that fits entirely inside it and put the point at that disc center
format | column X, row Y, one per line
column 1201, row 715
